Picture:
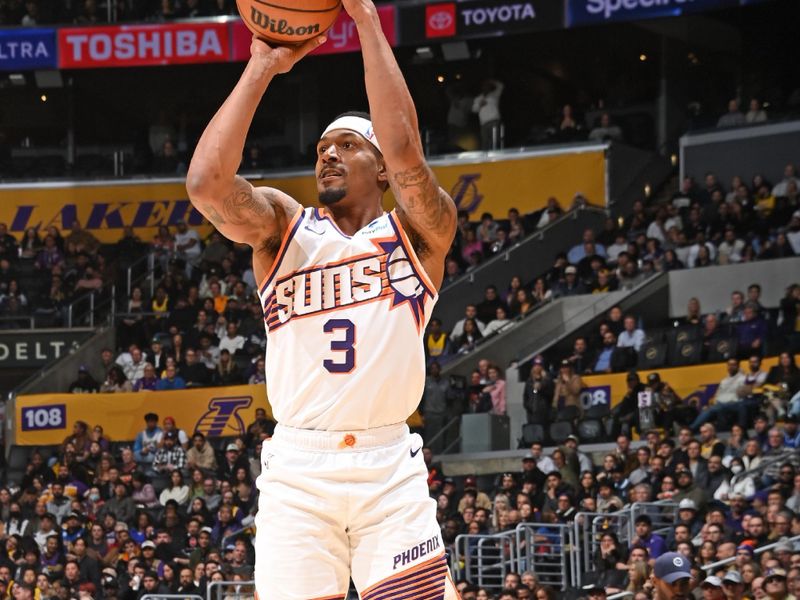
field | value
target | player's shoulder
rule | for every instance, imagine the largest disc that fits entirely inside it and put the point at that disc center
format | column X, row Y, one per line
column 279, row 201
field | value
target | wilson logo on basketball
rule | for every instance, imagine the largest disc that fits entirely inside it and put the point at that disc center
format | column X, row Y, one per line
column 440, row 20
column 280, row 26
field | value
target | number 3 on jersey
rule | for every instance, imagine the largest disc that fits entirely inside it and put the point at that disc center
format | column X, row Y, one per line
column 348, row 362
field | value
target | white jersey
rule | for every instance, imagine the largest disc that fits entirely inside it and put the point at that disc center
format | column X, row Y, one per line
column 345, row 318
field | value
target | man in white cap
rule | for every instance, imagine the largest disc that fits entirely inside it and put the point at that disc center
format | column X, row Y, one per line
column 712, row 588
column 672, row 577
column 347, row 290
column 733, row 586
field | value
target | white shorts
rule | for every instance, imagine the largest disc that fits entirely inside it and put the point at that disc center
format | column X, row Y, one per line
column 335, row 505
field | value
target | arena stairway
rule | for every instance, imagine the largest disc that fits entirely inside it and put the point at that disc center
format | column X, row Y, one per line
column 527, row 259
column 549, row 325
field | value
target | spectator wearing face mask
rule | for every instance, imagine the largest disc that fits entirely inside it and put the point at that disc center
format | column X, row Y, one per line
column 733, row 485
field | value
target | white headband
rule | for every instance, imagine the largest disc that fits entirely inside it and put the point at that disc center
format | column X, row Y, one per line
column 361, row 126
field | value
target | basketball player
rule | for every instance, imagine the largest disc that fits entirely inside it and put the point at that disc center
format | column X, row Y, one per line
column 347, row 290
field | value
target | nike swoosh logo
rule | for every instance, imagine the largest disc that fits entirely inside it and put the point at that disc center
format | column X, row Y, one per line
column 414, row 452
column 315, row 231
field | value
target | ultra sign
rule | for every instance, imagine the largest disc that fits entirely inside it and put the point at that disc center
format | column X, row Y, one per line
column 27, row 49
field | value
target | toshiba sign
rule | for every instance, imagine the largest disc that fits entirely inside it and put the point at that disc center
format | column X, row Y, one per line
column 142, row 45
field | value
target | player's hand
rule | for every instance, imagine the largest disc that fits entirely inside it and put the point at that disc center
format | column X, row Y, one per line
column 280, row 59
column 360, row 10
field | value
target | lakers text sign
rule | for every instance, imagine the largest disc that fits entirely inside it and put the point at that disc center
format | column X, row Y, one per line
column 479, row 185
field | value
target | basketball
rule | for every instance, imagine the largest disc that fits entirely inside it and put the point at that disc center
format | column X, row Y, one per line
column 285, row 22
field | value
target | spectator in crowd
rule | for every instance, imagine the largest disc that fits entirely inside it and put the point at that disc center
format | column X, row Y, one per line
column 751, row 332
column 188, row 246
column 496, row 388
column 171, row 380
column 134, row 369
column 233, row 342
column 469, row 338
column 631, row 336
column 435, row 406
column 499, row 323
column 147, row 440
column 568, row 387
column 654, row 543
column 734, row 117
column 605, row 131
column 85, row 383
column 612, row 357
column 728, row 399
column 227, row 371
column 551, row 212
column 756, row 113
column 170, row 455
column 487, row 309
column 487, row 106
column 259, row 375
column 148, row 381
column 571, row 285
column 538, row 395
column 470, row 312
column 116, row 381
column 436, row 341
column 789, row 177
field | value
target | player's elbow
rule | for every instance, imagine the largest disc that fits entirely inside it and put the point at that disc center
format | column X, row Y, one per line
column 195, row 182
column 199, row 184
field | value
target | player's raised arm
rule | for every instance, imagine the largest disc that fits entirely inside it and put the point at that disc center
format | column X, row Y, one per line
column 241, row 212
column 422, row 203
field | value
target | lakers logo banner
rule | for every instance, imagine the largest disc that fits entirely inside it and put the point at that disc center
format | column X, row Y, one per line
column 45, row 419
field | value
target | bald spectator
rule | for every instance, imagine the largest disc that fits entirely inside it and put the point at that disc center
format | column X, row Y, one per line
column 734, row 117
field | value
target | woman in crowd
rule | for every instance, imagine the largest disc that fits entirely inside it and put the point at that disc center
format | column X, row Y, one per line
column 522, row 303
column 510, row 294
column 469, row 338
column 199, row 510
column 176, row 490
column 31, row 244
column 638, row 576
column 541, row 293
column 164, row 247
column 785, row 373
column 143, row 492
column 734, row 446
column 116, row 381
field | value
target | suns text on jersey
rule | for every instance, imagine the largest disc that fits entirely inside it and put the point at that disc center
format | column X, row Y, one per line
column 326, row 288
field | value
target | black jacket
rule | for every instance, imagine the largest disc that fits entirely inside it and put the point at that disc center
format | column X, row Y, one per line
column 538, row 398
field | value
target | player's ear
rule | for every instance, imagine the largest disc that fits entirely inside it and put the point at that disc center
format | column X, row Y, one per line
column 383, row 174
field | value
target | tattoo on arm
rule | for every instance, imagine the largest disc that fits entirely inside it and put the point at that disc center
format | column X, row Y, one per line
column 423, row 201
column 243, row 206
column 213, row 216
